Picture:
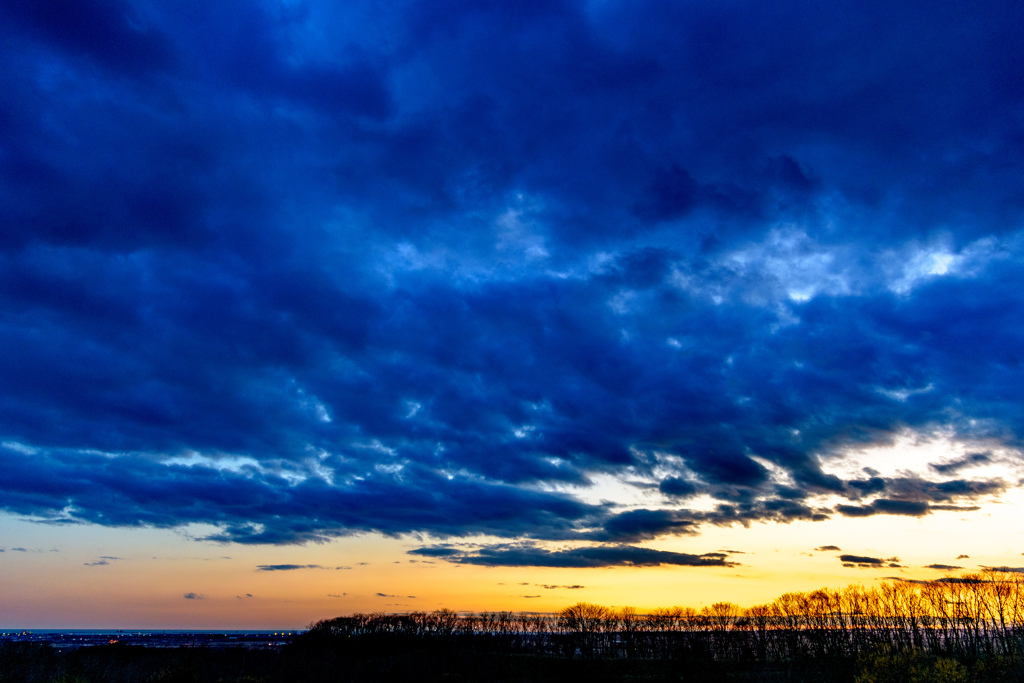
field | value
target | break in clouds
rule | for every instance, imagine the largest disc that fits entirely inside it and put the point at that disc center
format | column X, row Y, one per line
column 299, row 270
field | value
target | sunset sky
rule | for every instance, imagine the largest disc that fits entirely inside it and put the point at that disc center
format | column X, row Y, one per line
column 314, row 307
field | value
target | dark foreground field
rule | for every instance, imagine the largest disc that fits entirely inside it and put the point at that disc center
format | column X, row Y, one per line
column 316, row 658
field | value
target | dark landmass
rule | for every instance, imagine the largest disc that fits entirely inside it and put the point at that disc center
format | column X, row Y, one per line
column 65, row 639
column 321, row 657
column 953, row 630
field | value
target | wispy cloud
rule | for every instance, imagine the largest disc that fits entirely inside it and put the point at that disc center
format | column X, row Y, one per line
column 529, row 555
column 104, row 560
column 865, row 562
column 292, row 567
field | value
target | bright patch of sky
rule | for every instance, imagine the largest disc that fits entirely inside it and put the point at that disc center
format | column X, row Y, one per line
column 913, row 264
column 615, row 491
column 790, row 265
column 911, row 451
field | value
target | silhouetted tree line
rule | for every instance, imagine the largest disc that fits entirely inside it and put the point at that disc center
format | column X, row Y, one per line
column 970, row 616
column 969, row 628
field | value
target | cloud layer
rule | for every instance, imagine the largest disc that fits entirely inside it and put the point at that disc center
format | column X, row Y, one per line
column 307, row 269
column 530, row 555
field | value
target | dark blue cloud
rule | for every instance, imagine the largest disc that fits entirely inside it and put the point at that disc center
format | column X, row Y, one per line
column 308, row 270
column 637, row 525
column 864, row 562
column 437, row 551
column 676, row 486
column 527, row 555
column 288, row 567
column 884, row 506
column 113, row 33
column 890, row 506
column 957, row 464
column 860, row 559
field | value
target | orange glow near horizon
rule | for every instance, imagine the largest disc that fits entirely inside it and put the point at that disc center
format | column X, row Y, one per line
column 149, row 573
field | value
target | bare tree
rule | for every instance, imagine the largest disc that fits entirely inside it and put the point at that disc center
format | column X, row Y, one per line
column 584, row 621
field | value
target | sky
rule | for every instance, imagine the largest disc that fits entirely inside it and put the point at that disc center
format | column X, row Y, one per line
column 310, row 308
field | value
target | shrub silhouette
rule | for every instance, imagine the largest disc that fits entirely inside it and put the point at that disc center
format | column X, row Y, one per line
column 913, row 666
